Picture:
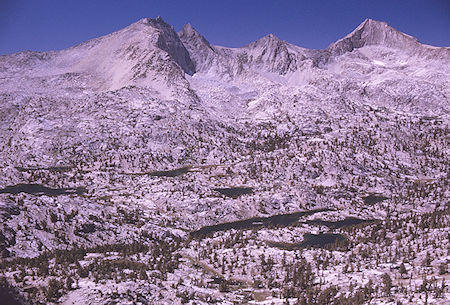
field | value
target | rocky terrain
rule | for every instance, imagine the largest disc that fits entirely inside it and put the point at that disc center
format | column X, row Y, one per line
column 151, row 167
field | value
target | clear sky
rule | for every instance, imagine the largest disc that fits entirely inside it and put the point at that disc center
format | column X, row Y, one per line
column 41, row 25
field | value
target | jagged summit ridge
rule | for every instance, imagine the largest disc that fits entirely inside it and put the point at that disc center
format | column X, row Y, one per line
column 149, row 53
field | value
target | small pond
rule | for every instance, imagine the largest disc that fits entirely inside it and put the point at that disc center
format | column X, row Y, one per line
column 9, row 295
column 374, row 198
column 256, row 222
column 168, row 173
column 347, row 222
column 38, row 189
column 50, row 169
column 234, row 192
column 321, row 240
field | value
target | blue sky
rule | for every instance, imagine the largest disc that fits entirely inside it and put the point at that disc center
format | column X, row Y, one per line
column 56, row 24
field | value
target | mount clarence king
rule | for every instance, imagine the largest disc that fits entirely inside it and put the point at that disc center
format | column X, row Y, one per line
column 152, row 167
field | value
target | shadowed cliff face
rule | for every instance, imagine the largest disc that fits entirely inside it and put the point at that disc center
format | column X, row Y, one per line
column 171, row 43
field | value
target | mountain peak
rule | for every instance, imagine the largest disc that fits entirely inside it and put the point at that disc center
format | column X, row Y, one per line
column 188, row 30
column 197, row 46
column 272, row 54
column 269, row 40
column 371, row 23
column 372, row 28
column 372, row 32
column 271, row 37
column 168, row 40
column 157, row 22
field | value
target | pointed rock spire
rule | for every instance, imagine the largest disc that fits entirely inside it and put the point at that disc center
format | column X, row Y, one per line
column 188, row 30
column 191, row 36
column 198, row 47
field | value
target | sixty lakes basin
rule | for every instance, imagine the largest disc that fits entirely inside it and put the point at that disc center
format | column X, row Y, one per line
column 283, row 220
